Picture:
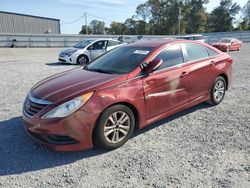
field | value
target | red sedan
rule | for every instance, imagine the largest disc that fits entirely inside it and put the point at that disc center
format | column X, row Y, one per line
column 228, row 44
column 129, row 87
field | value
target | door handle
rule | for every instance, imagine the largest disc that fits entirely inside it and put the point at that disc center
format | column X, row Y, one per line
column 183, row 74
column 212, row 63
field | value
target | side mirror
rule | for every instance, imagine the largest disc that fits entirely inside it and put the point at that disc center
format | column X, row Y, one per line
column 151, row 66
column 90, row 48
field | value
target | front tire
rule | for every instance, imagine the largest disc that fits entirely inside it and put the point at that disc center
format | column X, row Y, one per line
column 114, row 127
column 82, row 60
column 218, row 91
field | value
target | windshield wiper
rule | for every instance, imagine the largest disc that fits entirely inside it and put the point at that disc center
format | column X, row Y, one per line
column 99, row 70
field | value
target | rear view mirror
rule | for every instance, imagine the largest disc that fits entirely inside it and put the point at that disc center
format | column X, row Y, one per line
column 151, row 66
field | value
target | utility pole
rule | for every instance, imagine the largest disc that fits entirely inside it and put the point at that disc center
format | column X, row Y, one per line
column 86, row 23
column 180, row 17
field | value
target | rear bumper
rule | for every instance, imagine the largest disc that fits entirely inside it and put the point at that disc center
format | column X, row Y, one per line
column 72, row 133
column 221, row 48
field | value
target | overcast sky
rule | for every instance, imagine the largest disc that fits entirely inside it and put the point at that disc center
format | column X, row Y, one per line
column 70, row 10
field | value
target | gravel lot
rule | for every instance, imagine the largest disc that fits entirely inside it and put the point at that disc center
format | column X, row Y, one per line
column 200, row 147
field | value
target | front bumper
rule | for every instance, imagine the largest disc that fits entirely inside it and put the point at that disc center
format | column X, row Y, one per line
column 66, row 59
column 71, row 133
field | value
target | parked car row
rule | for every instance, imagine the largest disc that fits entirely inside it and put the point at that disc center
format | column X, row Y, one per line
column 131, row 86
column 90, row 49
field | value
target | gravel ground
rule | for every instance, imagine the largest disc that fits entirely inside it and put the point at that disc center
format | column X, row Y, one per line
column 200, row 147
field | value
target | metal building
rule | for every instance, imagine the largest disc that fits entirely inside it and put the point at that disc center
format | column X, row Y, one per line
column 27, row 24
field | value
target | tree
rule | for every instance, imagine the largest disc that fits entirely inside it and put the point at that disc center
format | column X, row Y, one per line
column 97, row 27
column 163, row 16
column 221, row 18
column 246, row 11
column 197, row 16
column 245, row 24
column 83, row 30
column 117, row 28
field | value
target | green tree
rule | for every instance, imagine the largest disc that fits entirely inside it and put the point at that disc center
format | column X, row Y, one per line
column 117, row 28
column 197, row 16
column 97, row 27
column 245, row 24
column 162, row 16
column 83, row 30
column 221, row 18
column 246, row 10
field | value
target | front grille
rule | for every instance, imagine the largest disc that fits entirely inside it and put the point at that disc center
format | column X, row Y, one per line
column 61, row 60
column 58, row 139
column 32, row 106
column 53, row 139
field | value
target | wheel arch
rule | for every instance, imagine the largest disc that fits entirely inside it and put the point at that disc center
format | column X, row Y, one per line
column 81, row 55
column 127, row 104
column 223, row 75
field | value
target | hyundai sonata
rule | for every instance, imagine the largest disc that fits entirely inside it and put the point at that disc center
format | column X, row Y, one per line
column 129, row 87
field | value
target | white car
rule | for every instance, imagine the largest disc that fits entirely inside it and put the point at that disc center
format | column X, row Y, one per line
column 197, row 37
column 128, row 39
column 88, row 50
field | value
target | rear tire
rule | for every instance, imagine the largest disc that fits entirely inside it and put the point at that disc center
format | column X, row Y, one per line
column 114, row 127
column 218, row 91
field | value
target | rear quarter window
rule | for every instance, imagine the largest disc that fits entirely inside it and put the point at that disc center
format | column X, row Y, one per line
column 195, row 52
column 212, row 52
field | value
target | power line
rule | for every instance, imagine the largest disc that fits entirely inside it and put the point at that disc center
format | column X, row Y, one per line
column 99, row 17
column 67, row 23
column 76, row 20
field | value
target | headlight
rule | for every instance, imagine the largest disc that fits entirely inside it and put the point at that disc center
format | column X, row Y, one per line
column 70, row 53
column 68, row 107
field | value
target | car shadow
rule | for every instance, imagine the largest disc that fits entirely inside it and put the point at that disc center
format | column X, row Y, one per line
column 19, row 153
column 59, row 64
column 173, row 117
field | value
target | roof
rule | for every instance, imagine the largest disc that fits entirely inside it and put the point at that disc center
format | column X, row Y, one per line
column 192, row 35
column 18, row 14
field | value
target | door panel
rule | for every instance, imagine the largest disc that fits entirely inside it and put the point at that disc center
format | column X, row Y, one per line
column 202, row 74
column 165, row 90
column 97, row 49
column 96, row 53
column 201, row 71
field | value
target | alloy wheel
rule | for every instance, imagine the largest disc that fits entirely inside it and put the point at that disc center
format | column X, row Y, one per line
column 117, row 127
column 219, row 90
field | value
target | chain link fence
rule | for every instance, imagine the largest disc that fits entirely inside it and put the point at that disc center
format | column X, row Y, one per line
column 63, row 40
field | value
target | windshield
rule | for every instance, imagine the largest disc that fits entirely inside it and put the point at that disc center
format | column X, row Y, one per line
column 120, row 60
column 225, row 41
column 83, row 43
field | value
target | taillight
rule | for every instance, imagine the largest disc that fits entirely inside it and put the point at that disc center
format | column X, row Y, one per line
column 230, row 60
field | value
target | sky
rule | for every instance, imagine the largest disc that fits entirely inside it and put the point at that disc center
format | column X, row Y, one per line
column 70, row 10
